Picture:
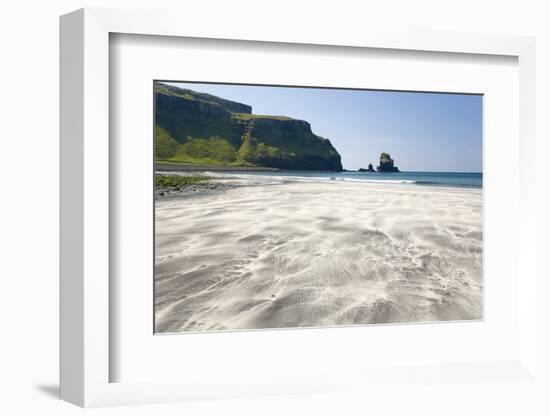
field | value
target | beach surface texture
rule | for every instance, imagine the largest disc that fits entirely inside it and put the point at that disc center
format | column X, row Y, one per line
column 268, row 252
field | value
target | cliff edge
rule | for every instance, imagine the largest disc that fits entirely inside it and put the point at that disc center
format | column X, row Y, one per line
column 198, row 128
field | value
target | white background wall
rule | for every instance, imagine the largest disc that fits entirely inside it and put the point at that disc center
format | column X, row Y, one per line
column 29, row 206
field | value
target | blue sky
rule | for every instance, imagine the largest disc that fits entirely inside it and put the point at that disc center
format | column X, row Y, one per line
column 422, row 131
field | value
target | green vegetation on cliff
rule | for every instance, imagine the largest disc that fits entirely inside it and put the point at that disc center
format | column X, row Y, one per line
column 197, row 128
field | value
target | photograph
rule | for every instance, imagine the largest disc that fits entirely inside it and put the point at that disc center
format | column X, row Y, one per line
column 307, row 207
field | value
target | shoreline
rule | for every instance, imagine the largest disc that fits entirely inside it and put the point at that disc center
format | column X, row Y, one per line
column 222, row 181
column 463, row 180
column 196, row 185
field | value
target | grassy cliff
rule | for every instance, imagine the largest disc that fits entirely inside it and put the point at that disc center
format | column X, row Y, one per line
column 197, row 128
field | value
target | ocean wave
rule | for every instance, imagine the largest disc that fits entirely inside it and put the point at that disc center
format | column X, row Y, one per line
column 273, row 179
column 404, row 181
column 297, row 178
column 259, row 178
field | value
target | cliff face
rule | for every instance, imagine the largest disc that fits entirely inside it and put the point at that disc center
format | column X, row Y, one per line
column 192, row 127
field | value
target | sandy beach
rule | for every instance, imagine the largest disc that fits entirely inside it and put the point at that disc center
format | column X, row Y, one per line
column 272, row 253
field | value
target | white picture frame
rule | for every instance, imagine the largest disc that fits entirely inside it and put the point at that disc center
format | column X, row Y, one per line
column 86, row 356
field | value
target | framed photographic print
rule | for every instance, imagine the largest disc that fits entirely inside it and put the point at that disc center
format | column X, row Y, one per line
column 273, row 214
column 261, row 223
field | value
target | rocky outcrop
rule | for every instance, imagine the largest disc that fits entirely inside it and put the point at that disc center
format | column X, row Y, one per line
column 369, row 169
column 198, row 128
column 386, row 164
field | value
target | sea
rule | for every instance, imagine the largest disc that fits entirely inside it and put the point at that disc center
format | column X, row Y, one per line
column 440, row 179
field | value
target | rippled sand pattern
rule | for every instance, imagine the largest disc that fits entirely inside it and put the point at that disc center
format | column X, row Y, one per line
column 314, row 254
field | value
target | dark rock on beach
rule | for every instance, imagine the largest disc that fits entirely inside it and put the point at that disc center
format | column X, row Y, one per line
column 183, row 185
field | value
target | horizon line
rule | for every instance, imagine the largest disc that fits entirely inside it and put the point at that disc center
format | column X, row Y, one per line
column 416, row 171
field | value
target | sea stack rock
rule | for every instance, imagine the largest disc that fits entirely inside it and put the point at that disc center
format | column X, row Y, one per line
column 386, row 164
column 369, row 169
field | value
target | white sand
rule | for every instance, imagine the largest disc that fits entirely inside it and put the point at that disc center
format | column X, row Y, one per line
column 317, row 254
